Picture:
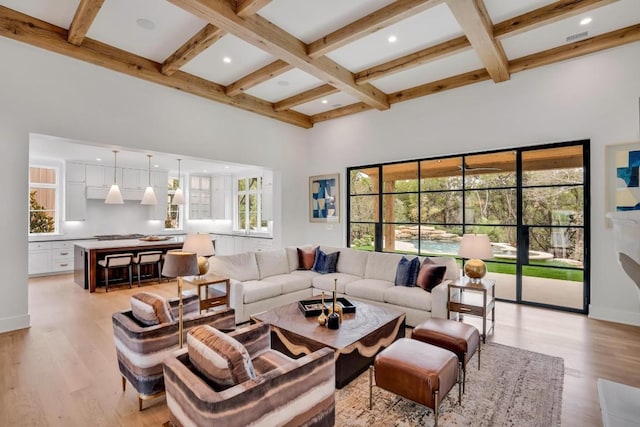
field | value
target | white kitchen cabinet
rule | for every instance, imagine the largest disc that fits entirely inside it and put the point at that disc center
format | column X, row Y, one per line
column 200, row 197
column 101, row 176
column 159, row 181
column 224, row 245
column 219, row 197
column 61, row 256
column 75, row 172
column 134, row 179
column 39, row 257
column 251, row 244
column 75, row 201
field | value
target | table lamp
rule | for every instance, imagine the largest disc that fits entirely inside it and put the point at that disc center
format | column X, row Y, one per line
column 201, row 245
column 179, row 264
column 475, row 247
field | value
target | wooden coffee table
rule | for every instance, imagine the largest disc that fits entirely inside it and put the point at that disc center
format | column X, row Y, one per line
column 361, row 336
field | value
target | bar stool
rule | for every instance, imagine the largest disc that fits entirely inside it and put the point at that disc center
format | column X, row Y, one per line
column 147, row 258
column 116, row 261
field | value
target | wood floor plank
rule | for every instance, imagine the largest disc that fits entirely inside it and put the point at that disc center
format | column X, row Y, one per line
column 70, row 344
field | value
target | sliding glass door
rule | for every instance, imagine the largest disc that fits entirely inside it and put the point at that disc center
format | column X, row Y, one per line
column 529, row 201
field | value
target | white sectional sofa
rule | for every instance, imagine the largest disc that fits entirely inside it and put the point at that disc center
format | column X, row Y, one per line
column 266, row 279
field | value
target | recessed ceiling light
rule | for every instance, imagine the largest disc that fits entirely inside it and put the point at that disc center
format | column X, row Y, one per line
column 585, row 21
column 324, row 101
column 283, row 83
column 392, row 39
column 147, row 24
column 204, row 171
column 156, row 166
column 226, row 60
column 98, row 159
column 226, row 167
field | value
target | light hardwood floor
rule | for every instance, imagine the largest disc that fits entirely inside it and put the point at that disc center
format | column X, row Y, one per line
column 63, row 371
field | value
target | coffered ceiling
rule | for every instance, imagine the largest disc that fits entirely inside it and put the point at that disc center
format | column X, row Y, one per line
column 307, row 61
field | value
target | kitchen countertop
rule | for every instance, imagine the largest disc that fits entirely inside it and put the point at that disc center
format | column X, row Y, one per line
column 107, row 244
column 66, row 238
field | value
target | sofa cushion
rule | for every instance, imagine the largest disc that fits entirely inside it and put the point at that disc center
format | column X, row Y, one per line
column 218, row 357
column 381, row 266
column 150, row 309
column 407, row 271
column 453, row 270
column 271, row 263
column 325, row 263
column 306, row 258
column 352, row 261
column 241, row 267
column 413, row 297
column 292, row 255
column 371, row 289
column 325, row 282
column 291, row 282
column 430, row 275
column 258, row 290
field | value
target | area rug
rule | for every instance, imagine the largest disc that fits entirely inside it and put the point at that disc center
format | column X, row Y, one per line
column 513, row 387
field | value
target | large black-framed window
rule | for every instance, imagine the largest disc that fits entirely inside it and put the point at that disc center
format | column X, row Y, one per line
column 531, row 201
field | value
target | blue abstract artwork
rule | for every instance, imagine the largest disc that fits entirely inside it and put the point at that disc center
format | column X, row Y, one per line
column 627, row 164
column 324, row 198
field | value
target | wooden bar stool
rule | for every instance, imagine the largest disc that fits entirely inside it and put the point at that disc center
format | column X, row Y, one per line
column 116, row 261
column 148, row 258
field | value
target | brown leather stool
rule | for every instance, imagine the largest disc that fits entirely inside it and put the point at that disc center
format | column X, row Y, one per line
column 416, row 371
column 458, row 337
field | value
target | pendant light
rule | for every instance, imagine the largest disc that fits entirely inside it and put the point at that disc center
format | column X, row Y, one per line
column 114, row 197
column 178, row 197
column 149, row 197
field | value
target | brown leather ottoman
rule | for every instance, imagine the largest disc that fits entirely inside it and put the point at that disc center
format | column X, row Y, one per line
column 458, row 337
column 416, row 371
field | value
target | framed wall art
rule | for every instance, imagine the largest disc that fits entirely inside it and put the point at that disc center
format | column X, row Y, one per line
column 623, row 177
column 324, row 198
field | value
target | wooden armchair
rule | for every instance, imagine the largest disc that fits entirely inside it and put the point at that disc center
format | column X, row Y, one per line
column 141, row 349
column 284, row 391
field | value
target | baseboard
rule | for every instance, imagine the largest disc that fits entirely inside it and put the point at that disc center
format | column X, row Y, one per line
column 8, row 324
column 614, row 315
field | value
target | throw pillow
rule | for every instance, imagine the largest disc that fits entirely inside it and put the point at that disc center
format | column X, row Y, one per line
column 218, row 357
column 325, row 263
column 430, row 275
column 407, row 271
column 150, row 309
column 306, row 258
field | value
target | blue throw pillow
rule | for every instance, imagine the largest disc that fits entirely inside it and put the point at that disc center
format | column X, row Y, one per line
column 325, row 263
column 407, row 271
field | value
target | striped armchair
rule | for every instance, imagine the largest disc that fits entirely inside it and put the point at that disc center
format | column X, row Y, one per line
column 284, row 391
column 141, row 349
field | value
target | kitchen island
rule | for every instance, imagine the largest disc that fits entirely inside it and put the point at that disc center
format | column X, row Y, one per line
column 87, row 254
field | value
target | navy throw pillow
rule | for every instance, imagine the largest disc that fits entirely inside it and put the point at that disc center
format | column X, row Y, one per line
column 407, row 271
column 325, row 263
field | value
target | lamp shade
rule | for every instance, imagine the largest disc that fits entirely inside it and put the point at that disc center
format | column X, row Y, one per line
column 178, row 197
column 179, row 264
column 475, row 246
column 199, row 244
column 149, row 197
column 114, row 197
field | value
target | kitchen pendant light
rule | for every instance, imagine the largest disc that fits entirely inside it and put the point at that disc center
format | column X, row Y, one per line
column 114, row 197
column 178, row 196
column 149, row 197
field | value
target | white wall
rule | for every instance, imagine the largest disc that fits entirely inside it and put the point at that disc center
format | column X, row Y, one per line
column 594, row 97
column 46, row 93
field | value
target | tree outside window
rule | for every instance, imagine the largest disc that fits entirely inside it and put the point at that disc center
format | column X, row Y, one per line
column 42, row 200
column 173, row 220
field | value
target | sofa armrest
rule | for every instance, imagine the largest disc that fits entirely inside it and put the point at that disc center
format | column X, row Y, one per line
column 297, row 391
column 236, row 299
column 439, row 300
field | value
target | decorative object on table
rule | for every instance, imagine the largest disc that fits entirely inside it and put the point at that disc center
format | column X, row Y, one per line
column 201, row 245
column 324, row 198
column 149, row 197
column 322, row 318
column 114, row 197
column 336, row 307
column 179, row 264
column 178, row 195
column 333, row 319
column 622, row 178
column 312, row 307
column 475, row 247
column 154, row 238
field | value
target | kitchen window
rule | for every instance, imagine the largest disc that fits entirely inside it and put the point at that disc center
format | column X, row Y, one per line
column 173, row 221
column 43, row 200
column 248, row 205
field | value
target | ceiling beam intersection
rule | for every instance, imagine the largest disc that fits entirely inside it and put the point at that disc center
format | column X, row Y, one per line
column 85, row 15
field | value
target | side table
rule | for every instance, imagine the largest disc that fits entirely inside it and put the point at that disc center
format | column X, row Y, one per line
column 212, row 297
column 476, row 299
